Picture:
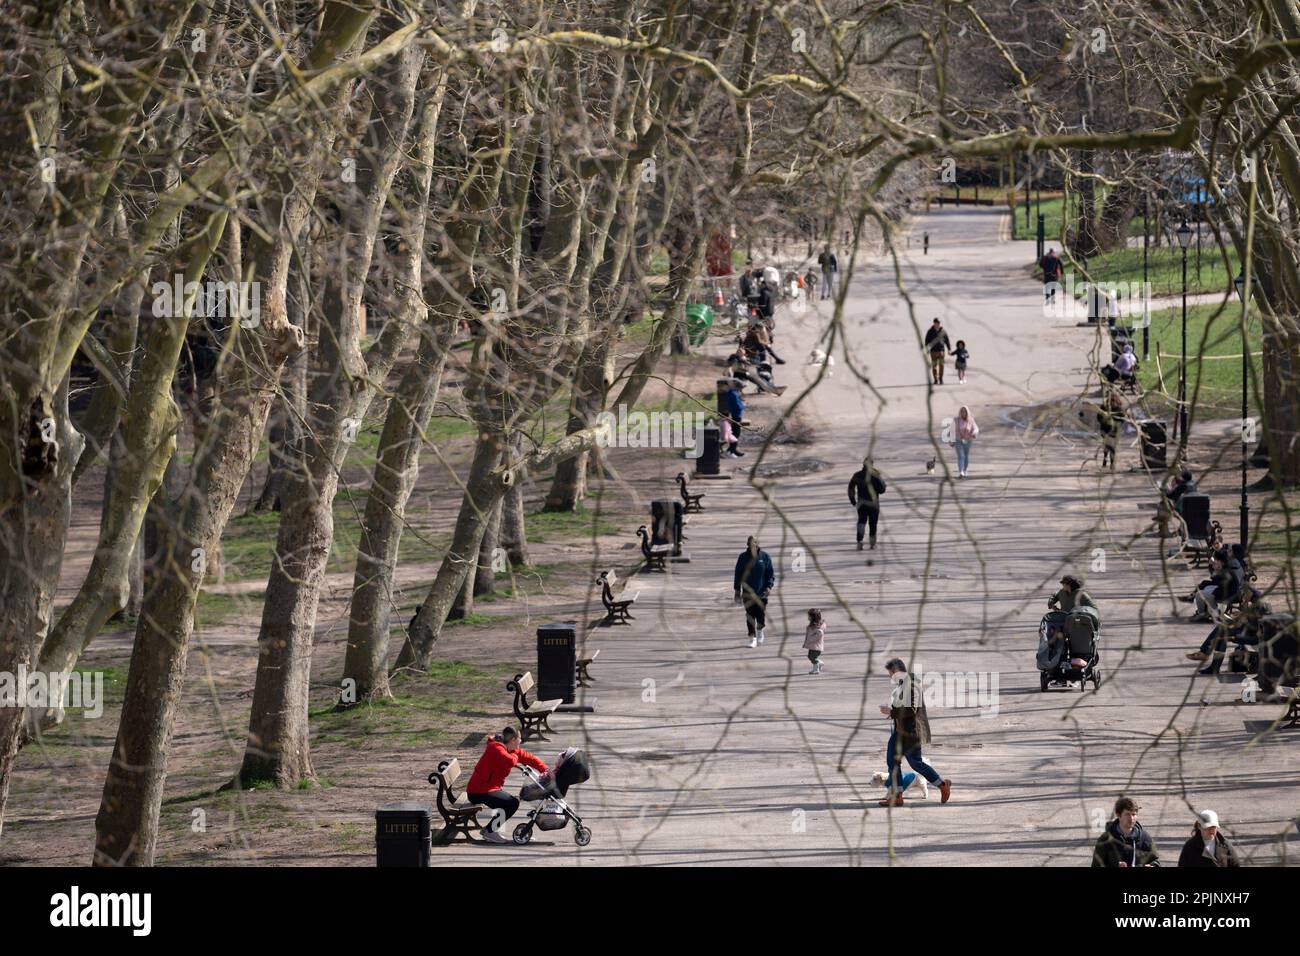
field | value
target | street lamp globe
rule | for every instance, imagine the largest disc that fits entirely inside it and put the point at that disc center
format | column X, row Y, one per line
column 1239, row 284
column 1184, row 233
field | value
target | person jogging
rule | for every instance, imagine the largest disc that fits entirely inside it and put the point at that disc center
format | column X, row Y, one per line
column 865, row 488
column 752, row 584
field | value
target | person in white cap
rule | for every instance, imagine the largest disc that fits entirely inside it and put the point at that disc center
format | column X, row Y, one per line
column 1207, row 846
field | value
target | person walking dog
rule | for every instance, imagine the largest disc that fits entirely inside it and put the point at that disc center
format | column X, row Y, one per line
column 865, row 488
column 911, row 732
column 964, row 432
column 753, row 582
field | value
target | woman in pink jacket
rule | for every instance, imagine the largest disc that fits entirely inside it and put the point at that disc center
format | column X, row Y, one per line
column 965, row 431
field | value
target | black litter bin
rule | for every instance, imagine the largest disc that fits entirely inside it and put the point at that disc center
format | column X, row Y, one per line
column 402, row 833
column 1154, row 443
column 557, row 661
column 710, row 460
column 666, row 520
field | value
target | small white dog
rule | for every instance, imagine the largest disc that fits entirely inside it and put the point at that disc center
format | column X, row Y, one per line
column 818, row 357
column 920, row 784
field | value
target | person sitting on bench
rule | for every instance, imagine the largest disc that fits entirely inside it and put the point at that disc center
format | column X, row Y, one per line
column 500, row 756
column 1126, row 364
column 1183, row 484
column 758, row 343
column 1227, row 577
column 1243, row 631
column 738, row 367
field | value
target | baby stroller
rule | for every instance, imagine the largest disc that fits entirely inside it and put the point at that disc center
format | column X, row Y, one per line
column 554, row 813
column 1067, row 648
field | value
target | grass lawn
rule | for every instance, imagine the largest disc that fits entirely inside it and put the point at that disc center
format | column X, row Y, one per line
column 1052, row 210
column 1214, row 371
column 1164, row 269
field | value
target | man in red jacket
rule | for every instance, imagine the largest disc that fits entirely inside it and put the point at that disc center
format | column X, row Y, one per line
column 484, row 787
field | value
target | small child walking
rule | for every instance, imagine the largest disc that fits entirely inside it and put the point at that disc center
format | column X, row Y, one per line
column 814, row 639
column 962, row 354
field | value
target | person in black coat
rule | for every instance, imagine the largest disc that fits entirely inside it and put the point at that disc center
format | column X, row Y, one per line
column 938, row 345
column 865, row 488
column 1208, row 847
column 1124, row 843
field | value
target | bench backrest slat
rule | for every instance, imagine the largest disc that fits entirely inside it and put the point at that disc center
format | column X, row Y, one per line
column 451, row 772
column 525, row 683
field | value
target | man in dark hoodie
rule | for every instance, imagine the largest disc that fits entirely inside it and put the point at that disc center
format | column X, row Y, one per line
column 865, row 488
column 754, row 580
column 1124, row 843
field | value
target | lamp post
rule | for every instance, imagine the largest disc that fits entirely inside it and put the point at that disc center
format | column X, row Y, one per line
column 1146, row 303
column 1242, row 292
column 1184, row 233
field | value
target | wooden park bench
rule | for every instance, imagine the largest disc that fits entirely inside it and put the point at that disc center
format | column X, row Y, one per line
column 534, row 718
column 617, row 610
column 457, row 818
column 1200, row 536
column 693, row 505
column 585, row 660
column 656, row 555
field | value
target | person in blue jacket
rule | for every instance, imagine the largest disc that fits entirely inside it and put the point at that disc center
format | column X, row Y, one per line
column 754, row 579
column 733, row 406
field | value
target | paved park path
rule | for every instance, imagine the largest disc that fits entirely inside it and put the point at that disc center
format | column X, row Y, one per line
column 708, row 752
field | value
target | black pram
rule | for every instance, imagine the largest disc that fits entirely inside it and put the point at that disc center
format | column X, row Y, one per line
column 554, row 813
column 1067, row 648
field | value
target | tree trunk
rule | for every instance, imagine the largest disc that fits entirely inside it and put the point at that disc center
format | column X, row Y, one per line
column 126, row 826
column 514, row 531
column 1117, row 211
column 278, row 750
column 365, row 662
column 569, row 486
column 475, row 510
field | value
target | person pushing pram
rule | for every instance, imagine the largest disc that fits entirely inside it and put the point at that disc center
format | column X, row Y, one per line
column 552, row 789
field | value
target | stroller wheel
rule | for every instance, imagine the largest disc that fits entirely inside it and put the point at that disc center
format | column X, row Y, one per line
column 523, row 834
column 1096, row 679
column 582, row 836
column 1043, row 681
